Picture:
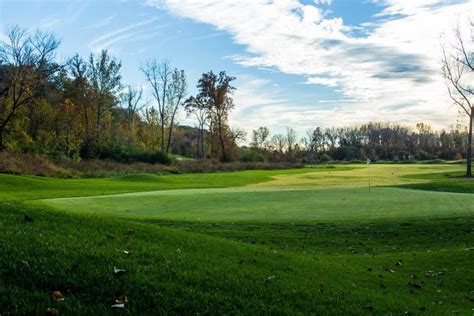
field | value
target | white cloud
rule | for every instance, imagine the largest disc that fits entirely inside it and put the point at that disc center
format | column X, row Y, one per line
column 392, row 71
column 106, row 40
column 330, row 82
column 100, row 24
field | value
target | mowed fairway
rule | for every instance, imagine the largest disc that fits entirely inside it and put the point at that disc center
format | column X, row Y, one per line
column 255, row 242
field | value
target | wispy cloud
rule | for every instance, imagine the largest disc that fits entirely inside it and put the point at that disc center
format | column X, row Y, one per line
column 395, row 62
column 50, row 22
column 106, row 40
column 100, row 24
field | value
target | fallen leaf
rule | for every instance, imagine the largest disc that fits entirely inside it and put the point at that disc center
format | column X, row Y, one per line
column 26, row 264
column 57, row 296
column 122, row 299
column 118, row 270
column 267, row 280
column 51, row 311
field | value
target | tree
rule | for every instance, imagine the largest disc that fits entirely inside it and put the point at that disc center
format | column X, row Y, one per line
column 214, row 93
column 260, row 138
column 458, row 71
column 26, row 63
column 104, row 76
column 196, row 106
column 290, row 140
column 175, row 98
column 132, row 100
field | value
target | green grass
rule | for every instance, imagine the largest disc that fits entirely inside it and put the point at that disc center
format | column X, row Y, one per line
column 311, row 241
column 274, row 206
column 34, row 187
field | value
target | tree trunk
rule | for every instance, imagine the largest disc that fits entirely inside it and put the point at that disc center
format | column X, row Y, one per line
column 170, row 132
column 1, row 138
column 469, row 147
column 162, row 147
column 221, row 139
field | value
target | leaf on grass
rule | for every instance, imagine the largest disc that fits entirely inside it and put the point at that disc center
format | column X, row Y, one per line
column 57, row 296
column 122, row 299
column 51, row 311
column 121, row 305
column 267, row 280
column 119, row 271
column 25, row 264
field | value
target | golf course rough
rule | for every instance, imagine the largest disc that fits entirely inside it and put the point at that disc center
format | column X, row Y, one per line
column 312, row 240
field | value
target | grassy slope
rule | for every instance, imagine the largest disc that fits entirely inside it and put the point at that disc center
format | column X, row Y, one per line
column 33, row 187
column 342, row 267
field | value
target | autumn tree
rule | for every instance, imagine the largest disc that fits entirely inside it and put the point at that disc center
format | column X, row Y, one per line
column 458, row 71
column 26, row 64
column 104, row 77
column 215, row 92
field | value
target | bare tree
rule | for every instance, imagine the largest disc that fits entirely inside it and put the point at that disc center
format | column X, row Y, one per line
column 260, row 138
column 279, row 141
column 158, row 75
column 290, row 140
column 458, row 71
column 26, row 62
column 175, row 99
column 132, row 99
column 169, row 88
column 196, row 106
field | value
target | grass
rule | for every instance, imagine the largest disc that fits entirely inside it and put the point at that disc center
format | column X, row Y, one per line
column 255, row 242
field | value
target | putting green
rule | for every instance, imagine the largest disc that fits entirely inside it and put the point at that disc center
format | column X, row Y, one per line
column 309, row 197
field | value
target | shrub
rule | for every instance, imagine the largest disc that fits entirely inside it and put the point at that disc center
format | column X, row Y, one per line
column 133, row 155
column 325, row 158
column 252, row 156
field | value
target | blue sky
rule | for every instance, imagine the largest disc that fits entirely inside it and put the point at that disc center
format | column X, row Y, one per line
column 298, row 63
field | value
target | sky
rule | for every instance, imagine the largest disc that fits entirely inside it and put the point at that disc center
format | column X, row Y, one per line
column 298, row 63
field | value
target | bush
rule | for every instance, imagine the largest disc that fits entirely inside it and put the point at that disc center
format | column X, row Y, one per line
column 325, row 158
column 252, row 156
column 132, row 155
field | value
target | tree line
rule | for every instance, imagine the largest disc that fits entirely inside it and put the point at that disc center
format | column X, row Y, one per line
column 376, row 141
column 81, row 108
